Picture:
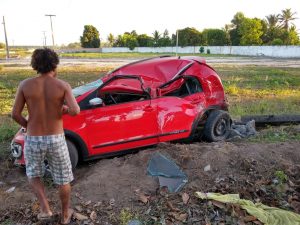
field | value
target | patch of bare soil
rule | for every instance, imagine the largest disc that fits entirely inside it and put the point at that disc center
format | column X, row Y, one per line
column 111, row 191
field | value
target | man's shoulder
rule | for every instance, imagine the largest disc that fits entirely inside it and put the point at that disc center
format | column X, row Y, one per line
column 62, row 82
column 26, row 82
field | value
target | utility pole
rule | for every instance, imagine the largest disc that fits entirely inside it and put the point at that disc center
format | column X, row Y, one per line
column 7, row 51
column 176, row 41
column 44, row 39
column 51, row 27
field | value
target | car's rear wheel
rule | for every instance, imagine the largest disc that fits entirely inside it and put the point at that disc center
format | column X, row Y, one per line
column 73, row 153
column 217, row 126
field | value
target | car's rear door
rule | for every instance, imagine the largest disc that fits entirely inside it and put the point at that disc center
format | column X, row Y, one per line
column 178, row 109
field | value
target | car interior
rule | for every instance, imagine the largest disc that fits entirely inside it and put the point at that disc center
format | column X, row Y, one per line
column 190, row 86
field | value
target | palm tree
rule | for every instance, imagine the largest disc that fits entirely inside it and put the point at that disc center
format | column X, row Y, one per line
column 285, row 18
column 111, row 39
column 156, row 37
column 272, row 20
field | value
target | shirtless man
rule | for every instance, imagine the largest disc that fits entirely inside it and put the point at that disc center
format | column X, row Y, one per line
column 44, row 97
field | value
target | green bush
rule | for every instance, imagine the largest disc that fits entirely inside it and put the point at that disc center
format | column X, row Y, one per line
column 201, row 49
column 207, row 51
column 277, row 41
column 2, row 45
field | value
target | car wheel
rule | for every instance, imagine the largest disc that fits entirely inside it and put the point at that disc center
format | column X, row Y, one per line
column 217, row 126
column 73, row 153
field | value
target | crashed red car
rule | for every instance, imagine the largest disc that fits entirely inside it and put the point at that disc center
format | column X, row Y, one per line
column 143, row 103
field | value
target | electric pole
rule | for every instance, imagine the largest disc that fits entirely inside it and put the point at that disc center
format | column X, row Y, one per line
column 176, row 41
column 51, row 27
column 7, row 51
column 44, row 39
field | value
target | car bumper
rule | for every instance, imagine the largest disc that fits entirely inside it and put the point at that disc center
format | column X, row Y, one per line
column 17, row 147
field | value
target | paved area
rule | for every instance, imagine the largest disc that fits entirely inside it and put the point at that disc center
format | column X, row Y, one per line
column 256, row 61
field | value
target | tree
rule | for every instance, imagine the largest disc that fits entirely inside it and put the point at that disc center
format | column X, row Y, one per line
column 144, row 40
column 214, row 37
column 286, row 17
column 165, row 40
column 111, row 39
column 235, row 36
column 273, row 30
column 188, row 37
column 227, row 29
column 291, row 37
column 251, row 31
column 156, row 37
column 90, row 37
column 2, row 45
column 130, row 41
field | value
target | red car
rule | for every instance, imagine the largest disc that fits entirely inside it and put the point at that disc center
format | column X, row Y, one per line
column 143, row 103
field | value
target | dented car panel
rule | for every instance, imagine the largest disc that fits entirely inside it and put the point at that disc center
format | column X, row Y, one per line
column 143, row 103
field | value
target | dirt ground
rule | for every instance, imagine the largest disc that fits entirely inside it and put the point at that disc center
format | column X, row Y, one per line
column 111, row 191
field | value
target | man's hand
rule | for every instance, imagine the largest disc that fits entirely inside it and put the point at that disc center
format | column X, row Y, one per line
column 65, row 109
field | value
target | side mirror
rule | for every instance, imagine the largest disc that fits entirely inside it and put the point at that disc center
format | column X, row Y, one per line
column 96, row 102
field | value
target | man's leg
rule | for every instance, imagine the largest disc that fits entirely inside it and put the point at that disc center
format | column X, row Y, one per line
column 39, row 190
column 64, row 194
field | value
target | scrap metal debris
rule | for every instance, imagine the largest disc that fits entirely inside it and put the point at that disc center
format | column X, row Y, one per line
column 168, row 173
column 242, row 130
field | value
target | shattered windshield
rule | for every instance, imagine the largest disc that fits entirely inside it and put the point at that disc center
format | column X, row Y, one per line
column 86, row 87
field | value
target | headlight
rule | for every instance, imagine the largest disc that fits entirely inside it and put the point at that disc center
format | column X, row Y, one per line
column 16, row 150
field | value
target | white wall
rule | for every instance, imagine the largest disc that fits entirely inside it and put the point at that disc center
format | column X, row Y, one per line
column 270, row 51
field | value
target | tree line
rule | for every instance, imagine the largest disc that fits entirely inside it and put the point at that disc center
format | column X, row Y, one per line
column 274, row 29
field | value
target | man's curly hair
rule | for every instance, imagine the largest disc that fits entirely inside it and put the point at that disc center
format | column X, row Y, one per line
column 44, row 60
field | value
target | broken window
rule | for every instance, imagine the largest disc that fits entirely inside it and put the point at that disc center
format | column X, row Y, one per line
column 117, row 98
column 187, row 86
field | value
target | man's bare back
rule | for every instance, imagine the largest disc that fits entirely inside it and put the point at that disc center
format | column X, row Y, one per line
column 44, row 97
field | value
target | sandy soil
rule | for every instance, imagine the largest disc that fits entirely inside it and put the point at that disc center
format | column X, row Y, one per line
column 109, row 185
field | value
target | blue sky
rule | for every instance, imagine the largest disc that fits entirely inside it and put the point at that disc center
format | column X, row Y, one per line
column 26, row 20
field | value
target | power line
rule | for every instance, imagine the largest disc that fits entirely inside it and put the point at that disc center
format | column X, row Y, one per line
column 51, row 27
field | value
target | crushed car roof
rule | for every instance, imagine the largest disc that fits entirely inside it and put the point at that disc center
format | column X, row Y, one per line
column 157, row 71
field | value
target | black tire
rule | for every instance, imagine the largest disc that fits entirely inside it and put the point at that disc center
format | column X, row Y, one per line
column 73, row 154
column 217, row 126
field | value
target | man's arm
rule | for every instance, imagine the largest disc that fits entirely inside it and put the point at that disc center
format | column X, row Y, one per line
column 73, row 108
column 18, row 107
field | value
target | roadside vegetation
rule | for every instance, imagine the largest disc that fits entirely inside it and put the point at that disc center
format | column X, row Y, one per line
column 249, row 89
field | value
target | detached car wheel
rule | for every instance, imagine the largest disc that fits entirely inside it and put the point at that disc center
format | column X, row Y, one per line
column 73, row 153
column 217, row 126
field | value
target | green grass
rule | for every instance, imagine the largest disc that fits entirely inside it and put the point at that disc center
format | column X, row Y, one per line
column 261, row 90
column 250, row 89
column 277, row 134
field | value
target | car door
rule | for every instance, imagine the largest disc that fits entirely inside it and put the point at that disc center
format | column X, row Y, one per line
column 121, row 126
column 178, row 108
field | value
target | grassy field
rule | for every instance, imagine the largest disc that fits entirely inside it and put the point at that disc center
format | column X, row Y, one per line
column 126, row 55
column 250, row 89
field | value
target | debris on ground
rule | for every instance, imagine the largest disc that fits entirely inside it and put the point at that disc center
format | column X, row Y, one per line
column 117, row 190
column 168, row 173
column 239, row 130
column 258, row 211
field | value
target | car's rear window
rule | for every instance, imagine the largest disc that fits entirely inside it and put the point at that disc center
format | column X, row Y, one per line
column 86, row 87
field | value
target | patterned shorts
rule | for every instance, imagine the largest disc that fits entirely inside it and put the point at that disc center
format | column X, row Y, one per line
column 54, row 149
